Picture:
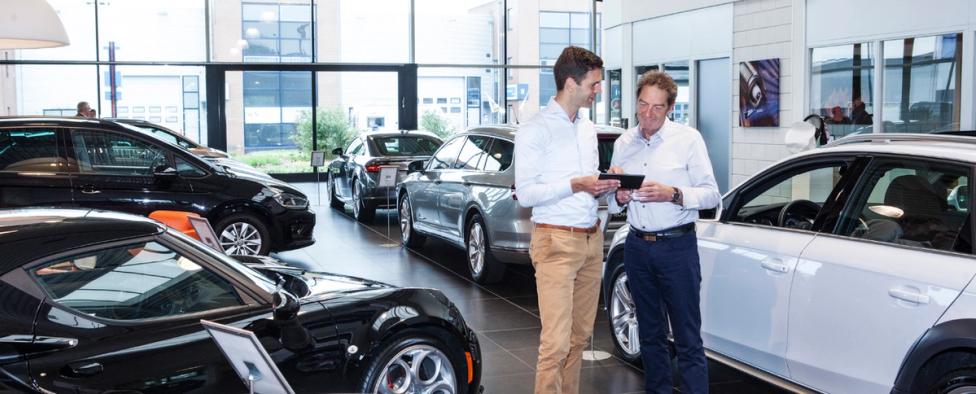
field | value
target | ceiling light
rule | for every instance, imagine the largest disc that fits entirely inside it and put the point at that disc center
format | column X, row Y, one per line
column 30, row 24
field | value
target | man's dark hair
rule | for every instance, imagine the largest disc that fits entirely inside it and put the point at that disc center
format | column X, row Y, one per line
column 574, row 63
column 660, row 79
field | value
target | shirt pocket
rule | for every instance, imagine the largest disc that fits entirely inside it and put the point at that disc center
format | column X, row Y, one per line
column 671, row 173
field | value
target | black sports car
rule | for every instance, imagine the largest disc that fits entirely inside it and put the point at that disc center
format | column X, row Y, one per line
column 98, row 301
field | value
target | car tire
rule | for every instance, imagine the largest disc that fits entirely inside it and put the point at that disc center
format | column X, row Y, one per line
column 439, row 365
column 953, row 372
column 621, row 312
column 334, row 201
column 483, row 266
column 243, row 234
column 408, row 234
column 361, row 210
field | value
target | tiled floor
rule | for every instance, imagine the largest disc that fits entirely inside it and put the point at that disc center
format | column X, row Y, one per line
column 505, row 315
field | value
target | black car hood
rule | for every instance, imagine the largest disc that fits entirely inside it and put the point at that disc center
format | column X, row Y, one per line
column 321, row 285
column 240, row 170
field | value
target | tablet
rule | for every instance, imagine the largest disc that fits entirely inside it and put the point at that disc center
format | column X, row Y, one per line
column 627, row 181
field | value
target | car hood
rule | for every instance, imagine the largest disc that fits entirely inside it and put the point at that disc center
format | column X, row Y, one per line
column 240, row 170
column 320, row 284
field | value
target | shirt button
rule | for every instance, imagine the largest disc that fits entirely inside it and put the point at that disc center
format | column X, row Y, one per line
column 645, row 164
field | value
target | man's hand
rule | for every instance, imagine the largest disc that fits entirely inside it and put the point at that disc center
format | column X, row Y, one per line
column 623, row 196
column 615, row 170
column 651, row 191
column 592, row 185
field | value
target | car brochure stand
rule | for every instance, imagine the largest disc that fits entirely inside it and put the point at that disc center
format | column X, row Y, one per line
column 249, row 359
column 318, row 160
column 388, row 175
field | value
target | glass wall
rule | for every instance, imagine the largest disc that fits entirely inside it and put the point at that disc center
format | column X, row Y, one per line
column 453, row 99
column 170, row 96
column 842, row 87
column 922, row 84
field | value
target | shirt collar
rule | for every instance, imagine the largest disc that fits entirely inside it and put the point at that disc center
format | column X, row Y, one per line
column 554, row 109
column 665, row 132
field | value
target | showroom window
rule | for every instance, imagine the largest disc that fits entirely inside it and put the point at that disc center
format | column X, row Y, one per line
column 921, row 79
column 841, row 87
column 557, row 30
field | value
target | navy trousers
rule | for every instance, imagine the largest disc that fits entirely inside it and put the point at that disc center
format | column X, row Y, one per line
column 664, row 276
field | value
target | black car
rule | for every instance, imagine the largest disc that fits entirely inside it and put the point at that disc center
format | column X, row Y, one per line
column 354, row 174
column 91, row 163
column 172, row 137
column 99, row 301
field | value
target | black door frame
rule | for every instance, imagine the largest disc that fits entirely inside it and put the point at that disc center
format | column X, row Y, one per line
column 216, row 91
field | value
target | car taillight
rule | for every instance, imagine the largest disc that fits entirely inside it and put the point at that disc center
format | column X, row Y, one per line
column 514, row 197
column 373, row 168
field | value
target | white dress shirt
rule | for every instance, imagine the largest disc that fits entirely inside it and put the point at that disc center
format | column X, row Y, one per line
column 674, row 156
column 549, row 151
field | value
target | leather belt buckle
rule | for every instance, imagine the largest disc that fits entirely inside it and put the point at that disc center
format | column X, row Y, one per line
column 649, row 237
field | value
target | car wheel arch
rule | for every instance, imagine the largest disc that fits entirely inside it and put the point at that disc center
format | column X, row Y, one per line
column 612, row 258
column 244, row 208
column 469, row 214
column 955, row 336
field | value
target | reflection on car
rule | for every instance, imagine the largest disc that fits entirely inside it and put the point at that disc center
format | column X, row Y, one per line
column 98, row 301
column 353, row 176
column 846, row 268
column 172, row 137
column 465, row 194
column 91, row 163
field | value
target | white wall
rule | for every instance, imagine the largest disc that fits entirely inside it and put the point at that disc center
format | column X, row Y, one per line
column 627, row 11
column 764, row 29
column 699, row 34
column 845, row 21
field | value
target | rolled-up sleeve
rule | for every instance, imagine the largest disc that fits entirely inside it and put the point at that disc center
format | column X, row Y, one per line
column 703, row 193
column 530, row 149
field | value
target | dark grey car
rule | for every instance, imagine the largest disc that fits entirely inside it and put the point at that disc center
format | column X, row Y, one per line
column 353, row 176
column 465, row 194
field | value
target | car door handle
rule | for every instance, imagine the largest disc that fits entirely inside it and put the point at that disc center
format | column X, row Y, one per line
column 775, row 265
column 90, row 189
column 913, row 296
column 31, row 344
column 84, row 368
column 437, row 181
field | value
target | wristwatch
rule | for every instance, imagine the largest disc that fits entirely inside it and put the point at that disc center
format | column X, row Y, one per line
column 676, row 196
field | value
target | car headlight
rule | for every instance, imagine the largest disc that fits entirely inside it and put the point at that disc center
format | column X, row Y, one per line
column 289, row 200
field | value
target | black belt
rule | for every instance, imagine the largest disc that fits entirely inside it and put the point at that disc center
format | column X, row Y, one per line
column 668, row 233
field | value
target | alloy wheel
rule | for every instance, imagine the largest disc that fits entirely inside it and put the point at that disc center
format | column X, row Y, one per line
column 418, row 369
column 405, row 227
column 623, row 315
column 241, row 238
column 476, row 249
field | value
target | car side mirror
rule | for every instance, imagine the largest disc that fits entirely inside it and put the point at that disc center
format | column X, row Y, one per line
column 337, row 152
column 164, row 171
column 417, row 166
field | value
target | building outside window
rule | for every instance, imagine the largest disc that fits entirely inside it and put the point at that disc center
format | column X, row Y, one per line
column 558, row 30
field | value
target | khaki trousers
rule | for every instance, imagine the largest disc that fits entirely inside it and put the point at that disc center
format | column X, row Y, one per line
column 567, row 276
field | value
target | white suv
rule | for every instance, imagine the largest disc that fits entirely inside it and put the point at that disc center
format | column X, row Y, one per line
column 846, row 268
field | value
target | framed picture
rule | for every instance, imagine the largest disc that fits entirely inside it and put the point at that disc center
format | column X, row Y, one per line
column 759, row 93
column 205, row 232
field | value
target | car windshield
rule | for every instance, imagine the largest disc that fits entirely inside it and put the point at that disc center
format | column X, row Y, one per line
column 404, row 145
column 260, row 280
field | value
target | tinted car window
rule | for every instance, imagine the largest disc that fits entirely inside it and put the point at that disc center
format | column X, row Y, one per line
column 354, row 147
column 405, row 146
column 499, row 156
column 790, row 200
column 31, row 150
column 446, row 157
column 473, row 152
column 185, row 169
column 132, row 282
column 116, row 154
column 163, row 135
column 913, row 203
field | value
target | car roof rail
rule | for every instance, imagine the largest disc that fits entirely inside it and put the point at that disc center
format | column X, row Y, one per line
column 901, row 137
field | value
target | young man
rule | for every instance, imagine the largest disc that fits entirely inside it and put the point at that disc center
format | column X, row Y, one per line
column 556, row 161
column 661, row 253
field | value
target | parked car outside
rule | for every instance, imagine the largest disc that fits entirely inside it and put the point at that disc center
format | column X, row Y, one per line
column 354, row 173
column 846, row 268
column 91, row 163
column 100, row 301
column 465, row 194
column 172, row 137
